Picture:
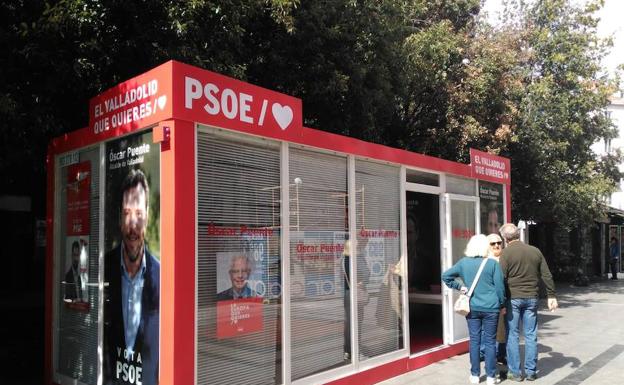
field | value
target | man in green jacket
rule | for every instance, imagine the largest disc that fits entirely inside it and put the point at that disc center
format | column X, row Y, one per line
column 523, row 266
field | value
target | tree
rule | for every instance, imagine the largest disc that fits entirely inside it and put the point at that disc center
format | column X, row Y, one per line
column 428, row 76
column 561, row 113
column 57, row 55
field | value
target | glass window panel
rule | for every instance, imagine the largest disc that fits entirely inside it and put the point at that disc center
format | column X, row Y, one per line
column 76, row 301
column 239, row 292
column 377, row 189
column 421, row 177
column 463, row 226
column 457, row 185
column 318, row 232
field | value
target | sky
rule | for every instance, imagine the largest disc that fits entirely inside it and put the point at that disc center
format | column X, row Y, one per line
column 611, row 23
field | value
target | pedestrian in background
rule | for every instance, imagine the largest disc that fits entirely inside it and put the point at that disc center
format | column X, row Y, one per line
column 523, row 266
column 486, row 301
column 614, row 253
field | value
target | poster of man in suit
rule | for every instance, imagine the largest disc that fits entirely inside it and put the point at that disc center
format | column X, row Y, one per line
column 132, row 261
column 492, row 207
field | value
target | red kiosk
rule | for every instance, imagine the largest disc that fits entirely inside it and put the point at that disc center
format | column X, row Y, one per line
column 199, row 234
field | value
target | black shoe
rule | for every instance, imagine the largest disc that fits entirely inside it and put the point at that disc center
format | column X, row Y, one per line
column 513, row 377
column 531, row 377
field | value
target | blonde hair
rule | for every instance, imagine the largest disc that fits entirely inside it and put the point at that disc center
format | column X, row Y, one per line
column 478, row 246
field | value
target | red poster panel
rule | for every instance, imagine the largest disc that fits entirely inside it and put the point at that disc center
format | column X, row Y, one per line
column 78, row 184
column 490, row 167
column 238, row 317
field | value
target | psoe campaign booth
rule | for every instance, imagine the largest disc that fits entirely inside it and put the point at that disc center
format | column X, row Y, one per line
column 199, row 234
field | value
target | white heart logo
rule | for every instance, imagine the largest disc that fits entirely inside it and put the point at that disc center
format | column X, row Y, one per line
column 283, row 115
column 161, row 102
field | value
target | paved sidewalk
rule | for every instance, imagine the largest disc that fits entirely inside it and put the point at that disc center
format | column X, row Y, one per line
column 580, row 343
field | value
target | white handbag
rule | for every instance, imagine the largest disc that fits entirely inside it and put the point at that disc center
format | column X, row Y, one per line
column 462, row 305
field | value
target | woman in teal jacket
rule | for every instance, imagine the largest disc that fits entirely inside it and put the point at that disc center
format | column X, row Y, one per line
column 486, row 301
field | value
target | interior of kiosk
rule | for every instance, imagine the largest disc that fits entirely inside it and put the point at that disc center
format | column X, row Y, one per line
column 423, row 261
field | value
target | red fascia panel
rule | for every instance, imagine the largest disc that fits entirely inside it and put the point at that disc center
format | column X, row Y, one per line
column 167, row 264
column 374, row 375
column 84, row 137
column 348, row 145
column 311, row 137
column 438, row 355
column 401, row 366
column 185, row 252
column 178, row 263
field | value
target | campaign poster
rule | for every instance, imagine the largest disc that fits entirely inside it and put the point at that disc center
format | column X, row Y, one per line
column 492, row 207
column 76, row 269
column 244, row 279
column 240, row 275
column 132, row 261
column 318, row 261
column 76, row 264
column 78, row 194
column 236, row 317
column 375, row 260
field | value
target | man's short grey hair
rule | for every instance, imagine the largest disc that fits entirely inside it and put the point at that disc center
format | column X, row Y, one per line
column 510, row 232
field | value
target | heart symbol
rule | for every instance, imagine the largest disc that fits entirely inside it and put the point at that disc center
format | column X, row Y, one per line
column 283, row 115
column 162, row 101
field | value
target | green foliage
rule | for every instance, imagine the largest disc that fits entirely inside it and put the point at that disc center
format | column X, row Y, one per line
column 429, row 76
column 556, row 177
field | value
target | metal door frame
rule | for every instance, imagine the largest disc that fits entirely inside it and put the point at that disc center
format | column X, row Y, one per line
column 448, row 314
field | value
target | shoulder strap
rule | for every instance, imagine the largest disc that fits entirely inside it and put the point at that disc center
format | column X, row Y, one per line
column 474, row 283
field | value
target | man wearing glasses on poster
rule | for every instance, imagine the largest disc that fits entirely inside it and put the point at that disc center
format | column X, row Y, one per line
column 240, row 269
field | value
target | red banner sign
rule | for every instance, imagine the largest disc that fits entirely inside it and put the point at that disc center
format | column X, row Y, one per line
column 490, row 167
column 136, row 103
column 200, row 96
column 239, row 316
column 78, row 185
column 217, row 100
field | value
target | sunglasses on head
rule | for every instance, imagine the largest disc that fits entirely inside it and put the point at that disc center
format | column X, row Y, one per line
column 496, row 243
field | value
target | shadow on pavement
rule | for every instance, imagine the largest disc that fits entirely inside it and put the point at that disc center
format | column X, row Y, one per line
column 550, row 360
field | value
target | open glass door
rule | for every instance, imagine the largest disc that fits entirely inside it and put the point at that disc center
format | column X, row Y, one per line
column 424, row 269
column 462, row 222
